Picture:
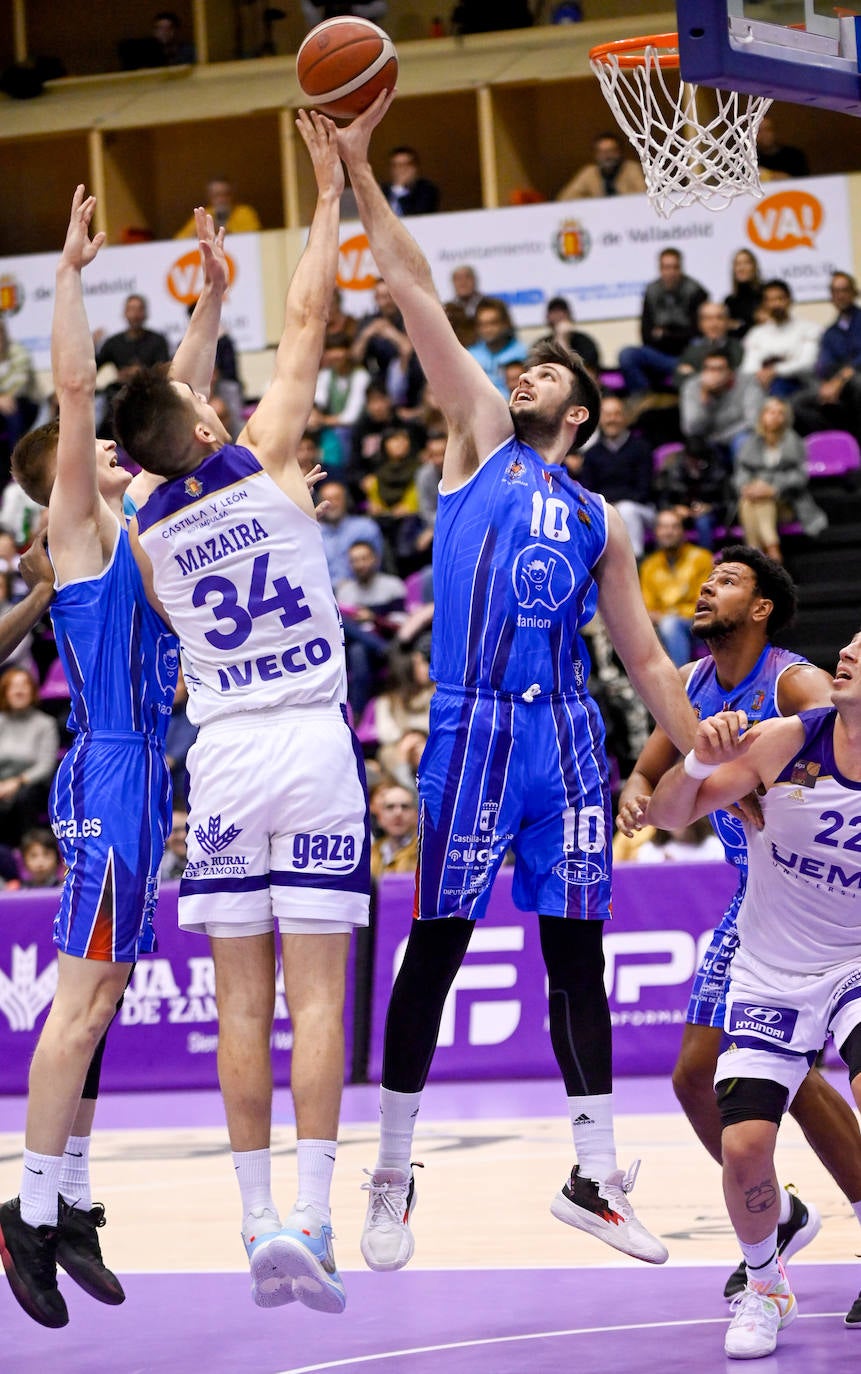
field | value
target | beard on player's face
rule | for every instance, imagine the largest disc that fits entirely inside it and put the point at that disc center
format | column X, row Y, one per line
column 717, row 628
column 536, row 427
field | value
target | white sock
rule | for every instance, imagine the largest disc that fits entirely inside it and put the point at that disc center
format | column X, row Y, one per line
column 785, row 1207
column 75, row 1173
column 40, row 1180
column 398, row 1112
column 761, row 1258
column 254, row 1175
column 594, row 1141
column 316, row 1162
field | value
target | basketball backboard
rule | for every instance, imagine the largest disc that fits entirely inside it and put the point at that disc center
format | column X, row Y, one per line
column 804, row 52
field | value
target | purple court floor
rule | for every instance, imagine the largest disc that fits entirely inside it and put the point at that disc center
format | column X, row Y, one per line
column 423, row 1322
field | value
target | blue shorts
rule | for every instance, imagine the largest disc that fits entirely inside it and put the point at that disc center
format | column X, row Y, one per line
column 111, row 813
column 707, row 1005
column 501, row 773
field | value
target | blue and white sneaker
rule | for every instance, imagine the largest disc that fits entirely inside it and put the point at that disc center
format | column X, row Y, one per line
column 302, row 1256
column 269, row 1287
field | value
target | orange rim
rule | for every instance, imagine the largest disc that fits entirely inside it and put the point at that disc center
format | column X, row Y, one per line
column 631, row 52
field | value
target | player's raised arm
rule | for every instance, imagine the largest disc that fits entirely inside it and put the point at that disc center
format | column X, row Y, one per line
column 277, row 425
column 477, row 415
column 73, row 525
column 194, row 359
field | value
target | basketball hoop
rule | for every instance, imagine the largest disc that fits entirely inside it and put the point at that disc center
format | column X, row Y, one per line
column 688, row 157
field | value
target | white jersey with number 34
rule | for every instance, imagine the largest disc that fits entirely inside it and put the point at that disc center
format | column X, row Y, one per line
column 242, row 575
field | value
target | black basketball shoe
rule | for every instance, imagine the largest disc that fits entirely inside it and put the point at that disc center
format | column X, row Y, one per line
column 853, row 1316
column 29, row 1255
column 80, row 1254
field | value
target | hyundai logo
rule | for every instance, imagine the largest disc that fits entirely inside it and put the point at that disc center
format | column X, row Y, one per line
column 767, row 1015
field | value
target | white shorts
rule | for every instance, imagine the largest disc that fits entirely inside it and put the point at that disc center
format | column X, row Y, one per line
column 278, row 829
column 777, row 1022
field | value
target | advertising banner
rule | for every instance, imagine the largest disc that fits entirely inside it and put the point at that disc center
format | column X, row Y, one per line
column 601, row 254
column 168, row 275
column 495, row 1020
column 166, row 1033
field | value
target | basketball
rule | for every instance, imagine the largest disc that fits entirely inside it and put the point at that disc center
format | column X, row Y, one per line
column 344, row 63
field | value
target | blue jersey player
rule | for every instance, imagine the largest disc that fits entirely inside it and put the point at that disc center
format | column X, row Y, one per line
column 747, row 599
column 110, row 803
column 515, row 757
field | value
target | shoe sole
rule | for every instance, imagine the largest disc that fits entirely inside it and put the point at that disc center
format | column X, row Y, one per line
column 578, row 1217
column 309, row 1282
column 22, row 1294
column 91, row 1286
column 269, row 1287
column 401, row 1260
column 804, row 1235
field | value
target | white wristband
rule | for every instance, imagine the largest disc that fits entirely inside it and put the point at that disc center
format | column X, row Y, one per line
column 695, row 768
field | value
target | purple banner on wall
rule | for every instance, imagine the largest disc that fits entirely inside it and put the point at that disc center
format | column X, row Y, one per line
column 495, row 1019
column 166, row 1033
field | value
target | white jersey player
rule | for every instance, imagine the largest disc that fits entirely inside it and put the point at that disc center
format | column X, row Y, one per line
column 278, row 824
column 796, row 976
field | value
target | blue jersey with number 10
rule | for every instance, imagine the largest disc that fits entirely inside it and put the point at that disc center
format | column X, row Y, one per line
column 514, row 550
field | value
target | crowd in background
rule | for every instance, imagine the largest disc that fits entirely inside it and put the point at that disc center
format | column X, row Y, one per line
column 701, row 435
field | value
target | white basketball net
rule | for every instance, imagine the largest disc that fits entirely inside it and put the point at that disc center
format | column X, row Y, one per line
column 685, row 161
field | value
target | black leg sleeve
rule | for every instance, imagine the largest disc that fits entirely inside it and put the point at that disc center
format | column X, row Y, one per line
column 90, row 1090
column 433, row 955
column 579, row 1014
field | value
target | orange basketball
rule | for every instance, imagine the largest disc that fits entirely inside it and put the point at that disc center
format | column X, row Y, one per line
column 344, row 63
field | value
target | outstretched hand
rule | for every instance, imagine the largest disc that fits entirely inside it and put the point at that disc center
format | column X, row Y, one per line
column 320, row 137
column 79, row 249
column 354, row 138
column 216, row 272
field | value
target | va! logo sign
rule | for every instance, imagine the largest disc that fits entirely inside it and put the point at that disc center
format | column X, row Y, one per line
column 790, row 219
column 185, row 276
column 357, row 270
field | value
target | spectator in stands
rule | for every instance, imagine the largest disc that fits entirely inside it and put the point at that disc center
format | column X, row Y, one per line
column 20, row 656
column 315, row 11
column 128, row 351
column 402, row 712
column 373, row 606
column 834, row 402
column 340, row 324
column 19, row 396
column 392, row 495
column 497, row 343
column 227, row 213
column 428, row 478
column 407, row 191
column 338, row 403
column 381, row 345
column 19, row 513
column 778, row 161
column 670, row 579
column 175, row 849
column 180, row 736
column 395, row 851
column 163, row 48
column 693, row 483
column 744, row 301
column 464, row 303
column 718, row 404
column 341, row 530
column 619, row 465
column 378, row 415
column 714, row 332
column 771, row 481
column 308, row 452
column 781, row 351
column 668, row 324
column 479, row 16
column 610, row 173
column 29, row 740
column 41, row 864
column 560, row 318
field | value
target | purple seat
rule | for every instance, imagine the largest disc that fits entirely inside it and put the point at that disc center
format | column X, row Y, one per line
column 663, row 452
column 832, row 453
